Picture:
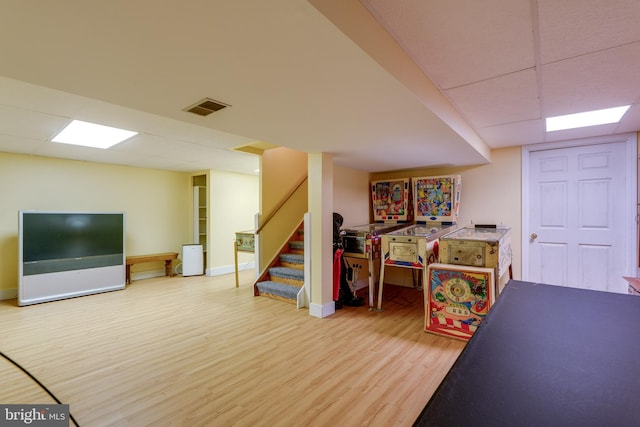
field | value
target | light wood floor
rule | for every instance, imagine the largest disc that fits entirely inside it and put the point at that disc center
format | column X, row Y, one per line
column 197, row 351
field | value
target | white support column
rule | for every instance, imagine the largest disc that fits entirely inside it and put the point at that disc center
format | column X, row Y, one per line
column 320, row 169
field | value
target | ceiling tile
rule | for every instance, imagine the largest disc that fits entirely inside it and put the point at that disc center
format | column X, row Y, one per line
column 117, row 116
column 17, row 144
column 451, row 41
column 510, row 98
column 570, row 28
column 30, row 124
column 630, row 120
column 591, row 82
column 66, row 151
column 225, row 159
column 198, row 134
column 39, row 99
column 145, row 144
column 510, row 134
column 165, row 163
column 586, row 132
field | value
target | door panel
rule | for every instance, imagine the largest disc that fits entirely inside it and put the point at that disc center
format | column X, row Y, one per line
column 594, row 206
column 553, row 204
column 576, row 216
column 595, row 265
column 553, row 258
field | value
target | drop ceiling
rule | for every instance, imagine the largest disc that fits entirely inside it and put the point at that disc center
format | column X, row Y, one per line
column 380, row 85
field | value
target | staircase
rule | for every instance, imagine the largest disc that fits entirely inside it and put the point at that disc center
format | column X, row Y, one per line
column 284, row 277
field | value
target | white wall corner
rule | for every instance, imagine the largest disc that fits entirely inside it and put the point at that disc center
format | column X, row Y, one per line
column 228, row 269
column 307, row 257
column 322, row 311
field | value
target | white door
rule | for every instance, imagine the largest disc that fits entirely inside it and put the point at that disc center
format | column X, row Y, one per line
column 581, row 224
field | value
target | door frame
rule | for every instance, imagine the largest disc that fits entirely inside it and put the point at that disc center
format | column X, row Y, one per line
column 631, row 195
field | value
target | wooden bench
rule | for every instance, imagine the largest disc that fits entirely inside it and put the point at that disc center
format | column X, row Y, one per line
column 167, row 257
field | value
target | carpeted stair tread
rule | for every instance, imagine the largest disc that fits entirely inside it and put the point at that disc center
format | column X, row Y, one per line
column 292, row 258
column 278, row 289
column 297, row 244
column 286, row 272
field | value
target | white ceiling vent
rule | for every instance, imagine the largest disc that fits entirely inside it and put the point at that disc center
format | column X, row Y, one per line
column 206, row 107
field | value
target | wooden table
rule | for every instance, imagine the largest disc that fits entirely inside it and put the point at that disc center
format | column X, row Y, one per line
column 546, row 355
column 167, row 257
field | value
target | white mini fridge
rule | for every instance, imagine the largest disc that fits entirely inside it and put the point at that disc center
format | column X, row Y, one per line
column 192, row 260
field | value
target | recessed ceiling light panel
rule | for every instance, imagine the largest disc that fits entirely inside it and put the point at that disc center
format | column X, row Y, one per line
column 92, row 135
column 588, row 118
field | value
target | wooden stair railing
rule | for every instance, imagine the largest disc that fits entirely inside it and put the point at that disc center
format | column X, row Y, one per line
column 265, row 276
column 282, row 202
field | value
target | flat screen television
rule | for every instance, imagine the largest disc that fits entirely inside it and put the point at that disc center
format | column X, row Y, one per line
column 52, row 243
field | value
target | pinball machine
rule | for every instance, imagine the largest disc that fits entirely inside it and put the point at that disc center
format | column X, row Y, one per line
column 479, row 246
column 465, row 284
column 392, row 209
column 436, row 202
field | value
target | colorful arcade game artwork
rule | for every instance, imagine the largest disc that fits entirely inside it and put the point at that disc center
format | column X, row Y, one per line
column 457, row 299
column 437, row 198
column 391, row 200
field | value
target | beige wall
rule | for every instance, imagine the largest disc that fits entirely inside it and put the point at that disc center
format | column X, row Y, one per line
column 156, row 203
column 351, row 195
column 491, row 194
column 352, row 200
column 233, row 205
column 282, row 170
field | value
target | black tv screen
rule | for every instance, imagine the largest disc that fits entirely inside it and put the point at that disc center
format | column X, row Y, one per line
column 62, row 241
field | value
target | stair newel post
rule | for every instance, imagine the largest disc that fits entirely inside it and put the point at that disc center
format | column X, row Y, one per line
column 303, row 296
column 235, row 260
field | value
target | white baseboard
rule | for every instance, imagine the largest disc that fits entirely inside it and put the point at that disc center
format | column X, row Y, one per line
column 217, row 271
column 148, row 274
column 322, row 311
column 227, row 269
column 8, row 293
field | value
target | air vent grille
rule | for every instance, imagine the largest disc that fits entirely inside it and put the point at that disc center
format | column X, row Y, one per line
column 206, row 107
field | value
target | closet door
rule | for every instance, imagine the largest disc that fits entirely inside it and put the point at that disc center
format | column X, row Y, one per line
column 577, row 217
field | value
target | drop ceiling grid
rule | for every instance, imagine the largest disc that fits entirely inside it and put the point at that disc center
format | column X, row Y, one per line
column 629, row 120
column 18, row 122
column 516, row 133
column 570, row 28
column 17, row 144
column 451, row 41
column 178, row 130
column 145, row 144
column 595, row 81
column 462, row 42
column 21, row 95
column 509, row 98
